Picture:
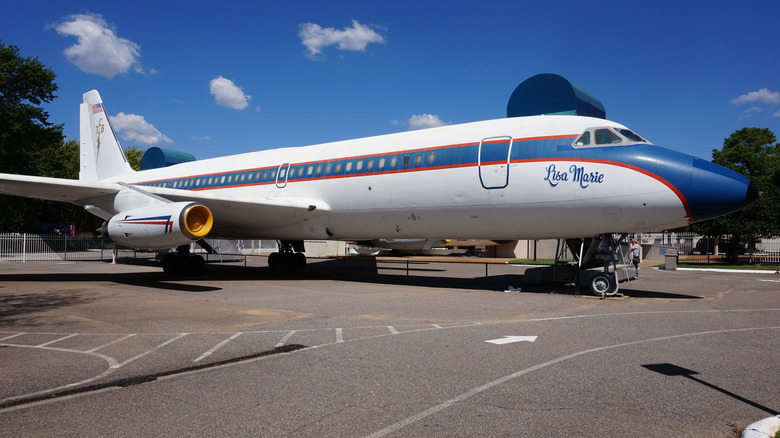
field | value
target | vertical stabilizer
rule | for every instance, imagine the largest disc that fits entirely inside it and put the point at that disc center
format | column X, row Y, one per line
column 101, row 154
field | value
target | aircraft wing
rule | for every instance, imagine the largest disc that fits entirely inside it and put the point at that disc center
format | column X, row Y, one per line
column 233, row 216
column 55, row 189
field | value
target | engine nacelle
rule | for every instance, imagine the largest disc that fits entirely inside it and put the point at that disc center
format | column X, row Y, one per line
column 159, row 226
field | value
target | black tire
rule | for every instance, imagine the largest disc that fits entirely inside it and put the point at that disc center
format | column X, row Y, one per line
column 603, row 283
column 169, row 262
column 196, row 266
column 299, row 261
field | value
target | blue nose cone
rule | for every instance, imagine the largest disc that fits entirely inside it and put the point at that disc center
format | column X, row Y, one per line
column 716, row 191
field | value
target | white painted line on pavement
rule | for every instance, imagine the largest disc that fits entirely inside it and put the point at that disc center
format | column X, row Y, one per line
column 480, row 389
column 510, row 339
column 12, row 336
column 110, row 343
column 339, row 335
column 217, row 347
column 285, row 338
column 152, row 350
column 57, row 340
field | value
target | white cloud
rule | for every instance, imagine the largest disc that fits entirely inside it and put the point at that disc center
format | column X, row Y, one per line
column 99, row 50
column 763, row 96
column 748, row 113
column 354, row 38
column 136, row 129
column 228, row 94
column 777, row 114
column 422, row 121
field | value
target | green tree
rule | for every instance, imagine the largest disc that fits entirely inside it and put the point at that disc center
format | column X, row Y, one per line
column 134, row 155
column 754, row 153
column 31, row 145
column 25, row 132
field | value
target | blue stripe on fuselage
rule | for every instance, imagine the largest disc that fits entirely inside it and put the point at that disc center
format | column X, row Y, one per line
column 700, row 185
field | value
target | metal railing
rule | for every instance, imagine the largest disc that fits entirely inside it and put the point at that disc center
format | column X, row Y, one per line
column 695, row 248
column 22, row 247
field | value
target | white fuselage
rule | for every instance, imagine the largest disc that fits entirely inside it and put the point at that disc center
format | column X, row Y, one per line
column 452, row 186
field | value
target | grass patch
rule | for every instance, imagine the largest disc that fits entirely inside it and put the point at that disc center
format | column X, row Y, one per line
column 543, row 262
column 720, row 266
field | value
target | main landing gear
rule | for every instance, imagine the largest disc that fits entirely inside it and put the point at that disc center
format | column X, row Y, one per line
column 595, row 265
column 598, row 264
column 183, row 263
column 289, row 258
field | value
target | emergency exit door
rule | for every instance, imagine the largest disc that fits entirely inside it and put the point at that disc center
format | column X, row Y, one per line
column 494, row 153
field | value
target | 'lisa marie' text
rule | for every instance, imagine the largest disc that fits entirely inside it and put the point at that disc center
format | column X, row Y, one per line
column 575, row 174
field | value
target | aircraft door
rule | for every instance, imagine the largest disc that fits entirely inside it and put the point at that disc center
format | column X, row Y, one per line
column 494, row 153
column 281, row 175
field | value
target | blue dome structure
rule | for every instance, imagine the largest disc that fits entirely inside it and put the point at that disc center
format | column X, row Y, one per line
column 550, row 94
column 155, row 158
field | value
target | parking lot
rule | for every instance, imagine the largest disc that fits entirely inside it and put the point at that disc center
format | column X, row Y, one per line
column 95, row 349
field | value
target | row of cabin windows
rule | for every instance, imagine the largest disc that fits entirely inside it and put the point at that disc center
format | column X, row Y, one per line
column 296, row 171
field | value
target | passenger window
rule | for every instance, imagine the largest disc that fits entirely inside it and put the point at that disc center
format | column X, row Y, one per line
column 431, row 157
column 348, row 166
column 583, row 140
column 328, row 167
column 310, row 171
column 393, row 161
column 338, row 167
column 605, row 136
column 359, row 165
column 370, row 164
column 381, row 163
column 406, row 160
column 319, row 169
column 418, row 159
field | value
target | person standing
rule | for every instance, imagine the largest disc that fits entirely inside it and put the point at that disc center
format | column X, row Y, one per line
column 635, row 255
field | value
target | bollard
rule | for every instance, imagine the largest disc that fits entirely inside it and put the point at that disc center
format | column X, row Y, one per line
column 671, row 259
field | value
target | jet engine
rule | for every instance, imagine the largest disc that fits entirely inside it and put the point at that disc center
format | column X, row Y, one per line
column 159, row 226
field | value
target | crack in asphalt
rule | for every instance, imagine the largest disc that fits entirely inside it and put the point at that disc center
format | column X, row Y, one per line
column 139, row 380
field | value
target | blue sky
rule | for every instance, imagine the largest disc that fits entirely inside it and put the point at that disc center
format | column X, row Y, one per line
column 241, row 76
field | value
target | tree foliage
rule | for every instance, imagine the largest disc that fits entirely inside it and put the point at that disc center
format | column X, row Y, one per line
column 30, row 144
column 754, row 153
column 25, row 132
column 134, row 155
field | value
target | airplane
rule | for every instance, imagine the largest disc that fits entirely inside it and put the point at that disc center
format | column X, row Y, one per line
column 531, row 177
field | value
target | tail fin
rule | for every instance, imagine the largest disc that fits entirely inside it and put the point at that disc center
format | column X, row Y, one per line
column 101, row 154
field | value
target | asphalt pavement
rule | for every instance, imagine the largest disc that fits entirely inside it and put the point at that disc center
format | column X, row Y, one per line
column 93, row 349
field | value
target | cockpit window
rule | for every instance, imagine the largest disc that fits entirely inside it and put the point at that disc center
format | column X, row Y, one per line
column 583, row 140
column 631, row 135
column 608, row 136
column 605, row 136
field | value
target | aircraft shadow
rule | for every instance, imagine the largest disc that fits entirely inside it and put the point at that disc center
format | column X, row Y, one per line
column 445, row 275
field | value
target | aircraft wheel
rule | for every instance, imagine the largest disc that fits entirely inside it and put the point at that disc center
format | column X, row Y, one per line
column 275, row 261
column 299, row 261
column 195, row 265
column 603, row 283
column 169, row 263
